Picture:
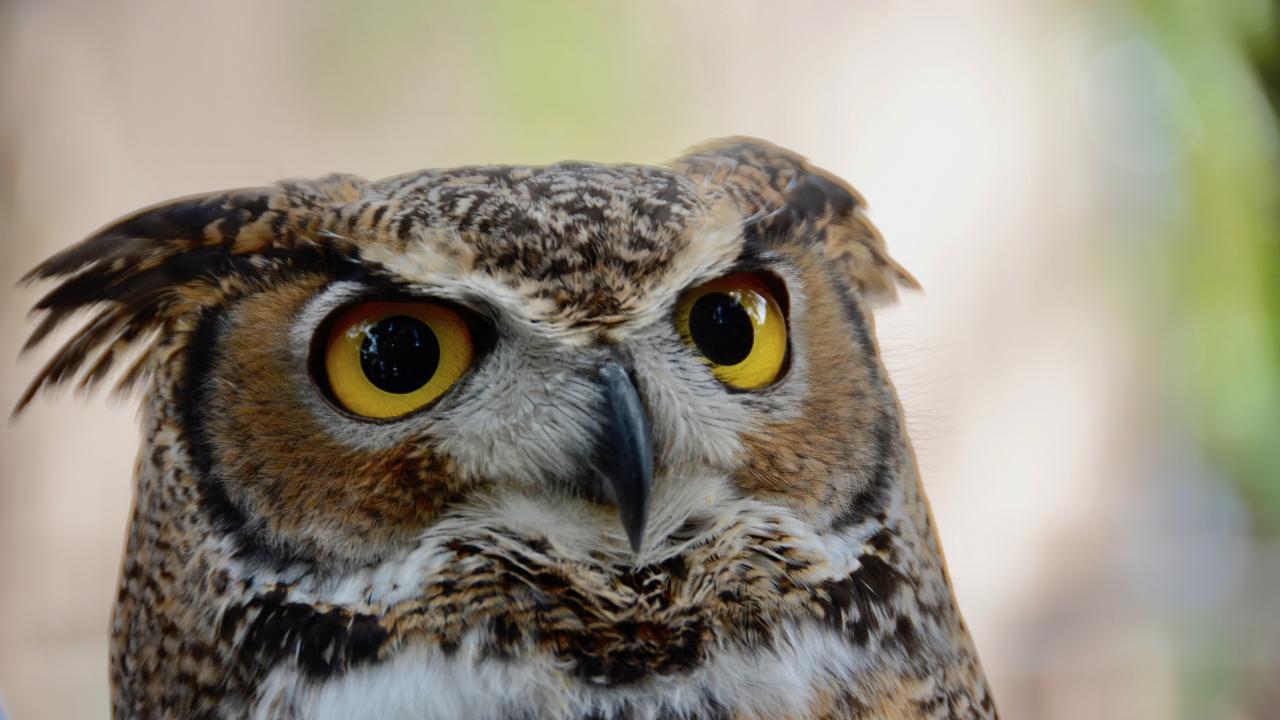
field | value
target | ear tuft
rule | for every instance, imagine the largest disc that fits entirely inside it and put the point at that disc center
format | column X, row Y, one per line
column 141, row 273
column 793, row 201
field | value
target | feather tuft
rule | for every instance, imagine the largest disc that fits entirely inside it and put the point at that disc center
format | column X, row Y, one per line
column 140, row 274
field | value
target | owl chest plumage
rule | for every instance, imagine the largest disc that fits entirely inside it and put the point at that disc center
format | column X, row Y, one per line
column 791, row 672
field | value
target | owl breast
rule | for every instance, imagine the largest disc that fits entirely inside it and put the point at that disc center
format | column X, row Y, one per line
column 427, row 684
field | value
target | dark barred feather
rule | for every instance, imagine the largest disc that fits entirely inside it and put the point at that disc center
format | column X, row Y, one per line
column 139, row 274
column 784, row 195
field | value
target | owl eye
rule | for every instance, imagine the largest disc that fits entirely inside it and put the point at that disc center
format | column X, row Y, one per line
column 737, row 326
column 386, row 359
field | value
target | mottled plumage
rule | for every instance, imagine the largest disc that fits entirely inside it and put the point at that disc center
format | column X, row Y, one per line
column 289, row 559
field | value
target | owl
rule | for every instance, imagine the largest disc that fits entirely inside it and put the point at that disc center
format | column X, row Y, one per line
column 574, row 441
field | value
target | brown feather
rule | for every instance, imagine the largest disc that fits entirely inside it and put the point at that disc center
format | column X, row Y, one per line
column 130, row 274
column 787, row 196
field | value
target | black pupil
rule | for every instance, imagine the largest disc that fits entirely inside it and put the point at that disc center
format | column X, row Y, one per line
column 721, row 329
column 399, row 354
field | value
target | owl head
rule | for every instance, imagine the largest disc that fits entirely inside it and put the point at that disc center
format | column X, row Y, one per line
column 508, row 408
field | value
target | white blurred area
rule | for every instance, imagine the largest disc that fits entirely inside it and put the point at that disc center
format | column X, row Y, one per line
column 981, row 134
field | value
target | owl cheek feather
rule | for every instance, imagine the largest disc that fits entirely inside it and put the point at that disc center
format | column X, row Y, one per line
column 298, row 484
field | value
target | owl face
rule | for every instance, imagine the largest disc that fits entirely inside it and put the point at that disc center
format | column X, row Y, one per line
column 568, row 441
column 611, row 370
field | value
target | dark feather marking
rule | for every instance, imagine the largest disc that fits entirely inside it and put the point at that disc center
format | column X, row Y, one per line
column 795, row 202
column 132, row 272
column 146, row 231
column 853, row 312
column 321, row 641
column 193, row 399
column 872, row 498
column 885, row 433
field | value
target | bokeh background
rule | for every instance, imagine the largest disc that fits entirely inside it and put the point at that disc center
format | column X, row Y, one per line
column 1087, row 189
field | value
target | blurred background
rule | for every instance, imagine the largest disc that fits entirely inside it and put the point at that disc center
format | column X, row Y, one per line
column 1089, row 192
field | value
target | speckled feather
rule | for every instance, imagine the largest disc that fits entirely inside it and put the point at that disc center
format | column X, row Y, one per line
column 286, row 561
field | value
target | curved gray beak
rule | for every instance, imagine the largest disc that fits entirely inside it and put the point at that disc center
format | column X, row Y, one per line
column 624, row 455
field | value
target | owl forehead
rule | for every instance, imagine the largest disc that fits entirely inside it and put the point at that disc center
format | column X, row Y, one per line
column 571, row 243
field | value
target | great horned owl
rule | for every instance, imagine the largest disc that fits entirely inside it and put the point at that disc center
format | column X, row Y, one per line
column 606, row 441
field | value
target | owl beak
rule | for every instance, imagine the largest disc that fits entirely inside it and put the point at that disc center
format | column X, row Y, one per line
column 624, row 457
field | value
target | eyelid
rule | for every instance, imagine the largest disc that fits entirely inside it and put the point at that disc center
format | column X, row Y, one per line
column 768, row 267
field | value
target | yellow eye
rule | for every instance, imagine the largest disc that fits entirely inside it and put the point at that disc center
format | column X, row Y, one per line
column 385, row 359
column 737, row 326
